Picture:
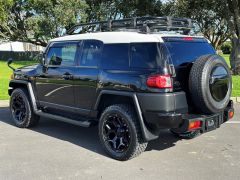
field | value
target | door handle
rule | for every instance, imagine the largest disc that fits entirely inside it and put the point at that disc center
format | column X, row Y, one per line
column 67, row 76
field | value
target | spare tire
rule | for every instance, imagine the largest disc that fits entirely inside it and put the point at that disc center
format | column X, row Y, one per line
column 210, row 84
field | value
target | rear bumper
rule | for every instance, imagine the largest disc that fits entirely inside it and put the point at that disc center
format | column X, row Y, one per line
column 180, row 123
column 207, row 122
column 170, row 111
column 163, row 110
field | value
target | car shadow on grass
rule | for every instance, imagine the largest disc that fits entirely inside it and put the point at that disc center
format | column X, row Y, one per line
column 84, row 137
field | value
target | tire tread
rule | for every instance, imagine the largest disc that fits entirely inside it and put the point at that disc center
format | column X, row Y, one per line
column 129, row 112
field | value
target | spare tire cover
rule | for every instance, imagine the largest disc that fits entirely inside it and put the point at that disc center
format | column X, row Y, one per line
column 210, row 84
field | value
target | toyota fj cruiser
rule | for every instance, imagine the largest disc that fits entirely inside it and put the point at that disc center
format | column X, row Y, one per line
column 132, row 77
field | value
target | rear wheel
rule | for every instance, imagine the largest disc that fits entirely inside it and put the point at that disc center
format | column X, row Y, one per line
column 120, row 133
column 21, row 109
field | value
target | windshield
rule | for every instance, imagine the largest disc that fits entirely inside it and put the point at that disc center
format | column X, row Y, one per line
column 188, row 51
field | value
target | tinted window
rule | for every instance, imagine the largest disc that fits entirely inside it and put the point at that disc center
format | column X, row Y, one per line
column 182, row 52
column 115, row 56
column 91, row 53
column 62, row 54
column 145, row 55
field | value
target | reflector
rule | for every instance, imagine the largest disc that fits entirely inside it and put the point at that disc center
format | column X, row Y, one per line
column 194, row 125
column 230, row 114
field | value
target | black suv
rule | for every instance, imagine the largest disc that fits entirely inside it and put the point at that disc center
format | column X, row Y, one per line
column 132, row 82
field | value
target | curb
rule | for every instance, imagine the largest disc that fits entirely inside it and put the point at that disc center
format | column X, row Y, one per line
column 4, row 103
column 235, row 99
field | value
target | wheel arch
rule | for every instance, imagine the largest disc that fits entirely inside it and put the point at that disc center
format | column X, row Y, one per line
column 13, row 84
column 110, row 97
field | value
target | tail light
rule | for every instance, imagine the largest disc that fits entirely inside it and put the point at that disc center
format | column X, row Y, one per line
column 160, row 81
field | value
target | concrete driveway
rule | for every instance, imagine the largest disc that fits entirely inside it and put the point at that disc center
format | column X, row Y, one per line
column 55, row 150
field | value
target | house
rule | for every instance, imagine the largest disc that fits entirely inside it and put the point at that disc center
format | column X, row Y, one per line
column 20, row 47
column 19, row 51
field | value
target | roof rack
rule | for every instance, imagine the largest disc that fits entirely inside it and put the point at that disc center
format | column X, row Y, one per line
column 139, row 24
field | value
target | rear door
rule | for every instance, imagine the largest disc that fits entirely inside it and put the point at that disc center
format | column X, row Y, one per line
column 55, row 84
column 183, row 52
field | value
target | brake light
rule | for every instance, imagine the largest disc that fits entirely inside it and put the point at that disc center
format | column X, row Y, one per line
column 194, row 125
column 160, row 81
column 187, row 38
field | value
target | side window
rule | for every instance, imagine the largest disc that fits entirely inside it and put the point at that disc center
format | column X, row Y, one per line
column 115, row 56
column 62, row 54
column 91, row 53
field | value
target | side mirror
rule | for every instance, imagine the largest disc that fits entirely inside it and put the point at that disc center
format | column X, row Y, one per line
column 9, row 62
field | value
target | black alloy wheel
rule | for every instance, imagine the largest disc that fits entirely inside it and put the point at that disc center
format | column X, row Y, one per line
column 18, row 108
column 21, row 109
column 116, row 133
column 120, row 132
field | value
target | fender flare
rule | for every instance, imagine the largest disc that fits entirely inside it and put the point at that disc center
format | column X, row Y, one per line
column 30, row 91
column 147, row 135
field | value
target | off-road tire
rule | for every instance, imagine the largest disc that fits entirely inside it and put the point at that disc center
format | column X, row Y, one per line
column 31, row 119
column 199, row 86
column 136, row 145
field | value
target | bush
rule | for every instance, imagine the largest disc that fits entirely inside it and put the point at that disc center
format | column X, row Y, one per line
column 226, row 48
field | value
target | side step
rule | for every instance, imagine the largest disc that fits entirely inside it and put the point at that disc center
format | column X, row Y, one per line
column 85, row 123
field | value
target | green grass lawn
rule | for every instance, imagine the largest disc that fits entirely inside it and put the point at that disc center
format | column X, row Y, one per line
column 5, row 73
column 235, row 79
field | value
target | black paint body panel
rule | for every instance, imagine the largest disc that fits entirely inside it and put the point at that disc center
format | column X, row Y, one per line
column 76, row 91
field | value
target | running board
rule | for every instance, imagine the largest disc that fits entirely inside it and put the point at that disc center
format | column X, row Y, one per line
column 64, row 119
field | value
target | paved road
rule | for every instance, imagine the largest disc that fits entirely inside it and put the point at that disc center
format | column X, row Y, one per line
column 56, row 150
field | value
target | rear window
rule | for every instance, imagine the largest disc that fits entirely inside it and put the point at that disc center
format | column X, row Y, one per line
column 188, row 51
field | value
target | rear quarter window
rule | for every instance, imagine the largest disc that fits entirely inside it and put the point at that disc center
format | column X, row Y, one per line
column 144, row 55
column 115, row 56
column 148, row 55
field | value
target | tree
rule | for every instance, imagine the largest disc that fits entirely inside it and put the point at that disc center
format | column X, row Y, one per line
column 209, row 16
column 4, row 7
column 232, row 8
column 117, row 9
column 37, row 21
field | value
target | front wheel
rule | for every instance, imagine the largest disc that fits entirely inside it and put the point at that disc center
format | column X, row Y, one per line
column 120, row 133
column 21, row 109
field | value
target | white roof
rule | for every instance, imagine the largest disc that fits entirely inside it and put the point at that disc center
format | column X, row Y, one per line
column 117, row 37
